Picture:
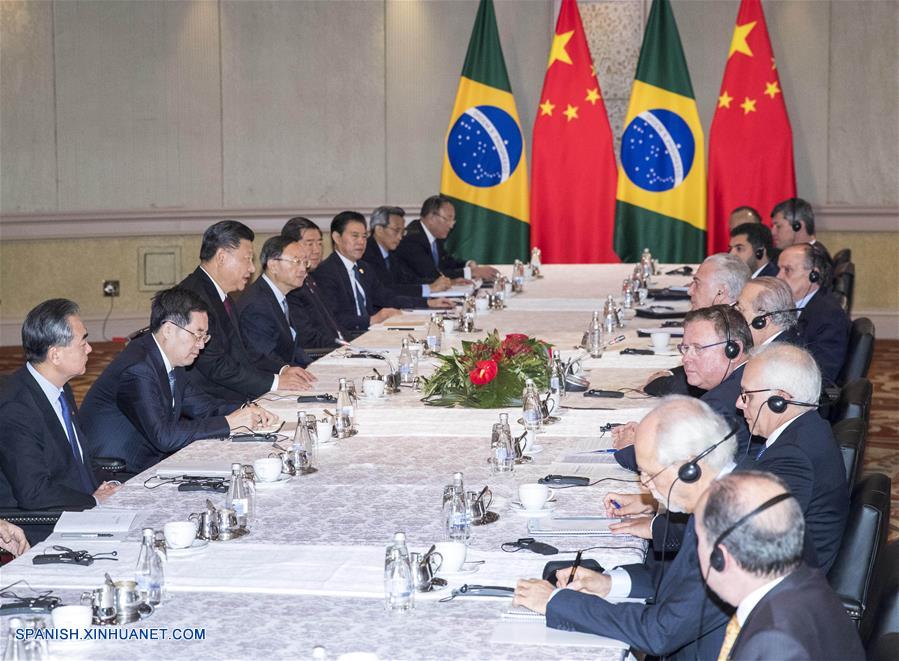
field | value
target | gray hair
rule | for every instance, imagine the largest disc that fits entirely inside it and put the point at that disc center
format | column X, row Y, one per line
column 790, row 369
column 730, row 273
column 775, row 297
column 770, row 542
column 47, row 325
column 380, row 217
column 687, row 426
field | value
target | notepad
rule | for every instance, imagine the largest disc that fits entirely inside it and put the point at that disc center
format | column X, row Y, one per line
column 97, row 520
column 585, row 526
column 208, row 468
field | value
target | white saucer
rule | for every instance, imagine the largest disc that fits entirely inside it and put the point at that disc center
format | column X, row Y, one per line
column 283, row 479
column 366, row 398
column 198, row 546
column 518, row 508
column 471, row 568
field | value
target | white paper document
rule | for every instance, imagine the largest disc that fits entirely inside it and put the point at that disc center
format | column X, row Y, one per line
column 97, row 520
column 587, row 526
column 452, row 292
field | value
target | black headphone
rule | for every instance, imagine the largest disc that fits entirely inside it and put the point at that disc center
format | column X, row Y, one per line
column 759, row 253
column 795, row 224
column 731, row 348
column 691, row 471
column 716, row 557
column 814, row 276
column 761, row 321
column 779, row 404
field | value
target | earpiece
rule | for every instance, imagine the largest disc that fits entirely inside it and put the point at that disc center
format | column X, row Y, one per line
column 691, row 471
column 814, row 276
column 731, row 348
column 759, row 253
column 761, row 321
column 795, row 224
column 779, row 404
column 716, row 557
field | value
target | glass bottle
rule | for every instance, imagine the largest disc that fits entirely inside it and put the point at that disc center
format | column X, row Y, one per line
column 406, row 364
column 303, row 449
column 556, row 380
column 594, row 336
column 531, row 409
column 238, row 498
column 646, row 264
column 502, row 450
column 535, row 261
column 346, row 411
column 399, row 589
column 435, row 334
column 457, row 519
column 149, row 572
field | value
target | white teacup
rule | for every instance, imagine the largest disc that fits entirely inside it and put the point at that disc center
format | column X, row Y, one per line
column 373, row 388
column 180, row 534
column 449, row 326
column 533, row 496
column 660, row 340
column 480, row 303
column 72, row 617
column 323, row 430
column 453, row 554
column 267, row 469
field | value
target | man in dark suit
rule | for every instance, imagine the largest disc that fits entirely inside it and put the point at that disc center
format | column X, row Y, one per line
column 388, row 226
column 224, row 369
column 742, row 215
column 683, row 621
column 315, row 324
column 752, row 243
column 750, row 534
column 793, row 222
column 766, row 304
column 421, row 251
column 143, row 407
column 779, row 395
column 267, row 330
column 45, row 461
column 823, row 324
column 349, row 286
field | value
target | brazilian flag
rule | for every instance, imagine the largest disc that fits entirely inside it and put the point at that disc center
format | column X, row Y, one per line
column 661, row 181
column 484, row 168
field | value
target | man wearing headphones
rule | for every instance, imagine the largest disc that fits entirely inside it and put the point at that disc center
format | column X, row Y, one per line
column 682, row 447
column 779, row 394
column 718, row 280
column 823, row 325
column 792, row 222
column 768, row 307
column 752, row 243
column 750, row 533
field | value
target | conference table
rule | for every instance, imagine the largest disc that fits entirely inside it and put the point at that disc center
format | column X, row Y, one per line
column 310, row 572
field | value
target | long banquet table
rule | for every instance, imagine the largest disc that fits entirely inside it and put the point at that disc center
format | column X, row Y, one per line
column 310, row 571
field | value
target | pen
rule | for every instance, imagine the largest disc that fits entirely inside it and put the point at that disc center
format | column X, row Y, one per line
column 605, row 451
column 401, row 328
column 615, row 504
column 577, row 563
column 84, row 535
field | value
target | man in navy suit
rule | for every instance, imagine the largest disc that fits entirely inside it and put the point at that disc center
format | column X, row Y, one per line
column 45, row 460
column 766, row 304
column 350, row 287
column 266, row 327
column 779, row 395
column 823, row 324
column 683, row 621
column 224, row 369
column 422, row 253
column 752, row 243
column 143, row 407
column 388, row 226
column 792, row 223
column 750, row 534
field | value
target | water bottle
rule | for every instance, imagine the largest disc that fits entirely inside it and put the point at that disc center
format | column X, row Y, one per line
column 435, row 333
column 536, row 265
column 149, row 573
column 458, row 522
column 532, row 411
column 627, row 294
column 502, row 450
column 399, row 589
column 406, row 365
column 518, row 276
column 556, row 382
column 594, row 336
column 346, row 411
column 303, row 448
column 238, row 498
column 646, row 264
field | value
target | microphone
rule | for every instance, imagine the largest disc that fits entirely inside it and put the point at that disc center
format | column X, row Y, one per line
column 683, row 270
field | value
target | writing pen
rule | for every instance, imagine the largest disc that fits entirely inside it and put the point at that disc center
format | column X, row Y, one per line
column 605, row 451
column 401, row 328
column 84, row 535
column 615, row 504
column 577, row 563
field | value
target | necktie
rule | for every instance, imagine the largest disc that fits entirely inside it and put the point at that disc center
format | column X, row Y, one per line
column 761, row 452
column 172, row 386
column 434, row 254
column 387, row 262
column 360, row 295
column 73, row 443
column 730, row 637
column 229, row 307
column 293, row 333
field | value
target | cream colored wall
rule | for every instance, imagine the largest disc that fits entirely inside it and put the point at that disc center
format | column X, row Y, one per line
column 876, row 258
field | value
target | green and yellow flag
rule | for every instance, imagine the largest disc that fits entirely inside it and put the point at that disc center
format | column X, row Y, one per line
column 661, row 180
column 484, row 165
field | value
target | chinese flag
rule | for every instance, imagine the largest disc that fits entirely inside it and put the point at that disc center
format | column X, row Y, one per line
column 751, row 142
column 574, row 175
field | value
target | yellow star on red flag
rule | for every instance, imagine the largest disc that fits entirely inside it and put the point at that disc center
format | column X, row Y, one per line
column 738, row 44
column 546, row 108
column 748, row 105
column 571, row 112
column 558, row 51
column 724, row 100
column 593, row 96
column 771, row 89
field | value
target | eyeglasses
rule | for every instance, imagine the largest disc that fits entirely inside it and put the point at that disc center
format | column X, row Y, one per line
column 199, row 339
column 290, row 260
column 398, row 231
column 697, row 349
column 744, row 393
column 444, row 218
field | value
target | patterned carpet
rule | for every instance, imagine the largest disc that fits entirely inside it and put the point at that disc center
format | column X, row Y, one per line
column 882, row 454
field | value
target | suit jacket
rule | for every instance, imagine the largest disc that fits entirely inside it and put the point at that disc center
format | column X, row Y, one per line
column 315, row 325
column 668, row 627
column 265, row 331
column 771, row 270
column 393, row 274
column 675, row 384
column 807, row 458
column 37, row 467
column 414, row 252
column 224, row 369
column 334, row 282
column 801, row 618
column 824, row 328
column 128, row 412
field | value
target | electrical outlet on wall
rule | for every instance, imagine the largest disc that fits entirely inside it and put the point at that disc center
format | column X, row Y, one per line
column 110, row 287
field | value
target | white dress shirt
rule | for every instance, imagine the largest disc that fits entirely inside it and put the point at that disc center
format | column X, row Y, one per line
column 751, row 600
column 52, row 393
column 802, row 302
column 773, row 436
column 282, row 302
column 354, row 284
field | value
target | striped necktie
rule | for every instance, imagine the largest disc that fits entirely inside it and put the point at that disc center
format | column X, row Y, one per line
column 172, row 386
column 360, row 293
column 730, row 637
column 73, row 443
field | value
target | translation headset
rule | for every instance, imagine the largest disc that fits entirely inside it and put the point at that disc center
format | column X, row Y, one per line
column 779, row 404
column 691, row 471
column 794, row 223
column 731, row 348
column 716, row 557
column 761, row 321
column 759, row 253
